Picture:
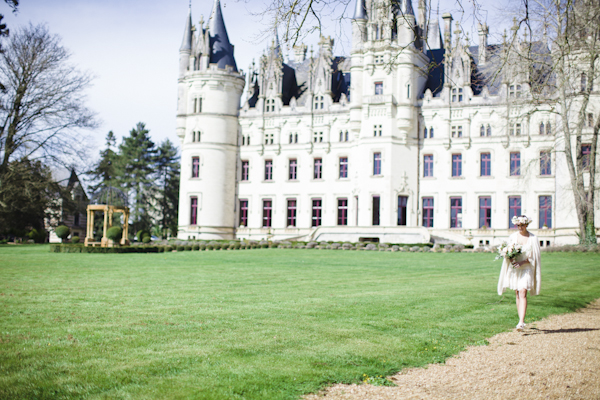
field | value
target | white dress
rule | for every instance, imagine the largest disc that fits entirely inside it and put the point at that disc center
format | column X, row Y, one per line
column 528, row 276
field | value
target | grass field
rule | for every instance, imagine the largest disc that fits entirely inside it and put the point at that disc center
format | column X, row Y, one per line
column 254, row 324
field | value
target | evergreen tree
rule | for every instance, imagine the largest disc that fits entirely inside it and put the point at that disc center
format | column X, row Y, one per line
column 167, row 169
column 138, row 154
column 108, row 172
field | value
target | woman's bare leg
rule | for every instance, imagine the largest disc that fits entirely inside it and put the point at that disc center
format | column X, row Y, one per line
column 522, row 304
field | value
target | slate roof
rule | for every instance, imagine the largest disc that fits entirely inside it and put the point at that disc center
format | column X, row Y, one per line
column 221, row 50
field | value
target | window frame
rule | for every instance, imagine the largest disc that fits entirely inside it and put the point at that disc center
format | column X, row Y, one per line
column 485, row 212
column 292, row 207
column 456, row 165
column 427, row 165
column 342, row 211
column 195, row 167
column 514, row 210
column 317, row 212
column 293, row 169
column 243, row 219
column 485, row 165
column 245, row 171
column 193, row 210
column 455, row 210
column 545, row 211
column 515, row 163
column 377, row 163
column 344, row 168
column 428, row 211
column 268, row 170
column 267, row 219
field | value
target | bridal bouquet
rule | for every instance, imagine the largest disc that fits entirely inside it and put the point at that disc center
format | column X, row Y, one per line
column 509, row 251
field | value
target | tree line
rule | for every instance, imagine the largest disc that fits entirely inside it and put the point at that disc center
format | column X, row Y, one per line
column 141, row 175
column 43, row 120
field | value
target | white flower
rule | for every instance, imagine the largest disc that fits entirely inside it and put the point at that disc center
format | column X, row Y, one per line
column 522, row 220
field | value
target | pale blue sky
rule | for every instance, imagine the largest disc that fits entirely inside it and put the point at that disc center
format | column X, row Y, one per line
column 131, row 47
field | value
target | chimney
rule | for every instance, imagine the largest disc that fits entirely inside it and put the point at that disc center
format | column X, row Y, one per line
column 483, row 41
column 447, row 17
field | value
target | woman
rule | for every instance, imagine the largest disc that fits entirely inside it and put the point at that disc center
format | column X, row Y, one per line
column 523, row 273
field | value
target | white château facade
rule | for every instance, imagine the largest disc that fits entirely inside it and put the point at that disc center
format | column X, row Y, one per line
column 404, row 141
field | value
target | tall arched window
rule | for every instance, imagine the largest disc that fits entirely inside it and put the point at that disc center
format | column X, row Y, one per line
column 489, row 130
column 424, row 133
column 431, row 133
column 482, row 131
column 548, row 129
column 542, row 130
column 583, row 82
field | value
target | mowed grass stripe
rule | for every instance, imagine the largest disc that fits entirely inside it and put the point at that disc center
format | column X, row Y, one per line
column 253, row 324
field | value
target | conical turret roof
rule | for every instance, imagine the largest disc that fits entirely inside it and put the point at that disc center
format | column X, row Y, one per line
column 221, row 49
column 360, row 11
column 186, row 43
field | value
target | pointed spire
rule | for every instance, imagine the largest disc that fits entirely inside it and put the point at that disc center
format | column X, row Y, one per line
column 186, row 44
column 221, row 49
column 361, row 10
column 408, row 8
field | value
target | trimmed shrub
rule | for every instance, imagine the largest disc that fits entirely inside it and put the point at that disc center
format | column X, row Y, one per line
column 141, row 234
column 146, row 239
column 114, row 233
column 62, row 231
column 196, row 247
column 202, row 247
column 395, row 248
column 168, row 248
column 415, row 249
column 180, row 248
column 263, row 244
column 187, row 248
column 75, row 239
column 458, row 248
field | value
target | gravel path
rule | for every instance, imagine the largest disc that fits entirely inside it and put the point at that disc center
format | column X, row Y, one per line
column 555, row 358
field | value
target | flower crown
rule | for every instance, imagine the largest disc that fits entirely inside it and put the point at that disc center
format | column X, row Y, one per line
column 522, row 220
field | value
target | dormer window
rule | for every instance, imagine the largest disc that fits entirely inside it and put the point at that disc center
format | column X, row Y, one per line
column 268, row 138
column 514, row 129
column 457, row 95
column 343, row 136
column 270, row 105
column 583, row 82
column 514, row 91
column 457, row 131
column 293, row 137
column 378, row 88
column 319, row 102
column 378, row 59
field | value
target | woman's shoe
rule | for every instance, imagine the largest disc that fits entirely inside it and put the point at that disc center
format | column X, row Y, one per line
column 520, row 327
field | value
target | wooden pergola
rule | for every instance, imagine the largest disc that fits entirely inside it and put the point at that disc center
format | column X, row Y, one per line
column 108, row 221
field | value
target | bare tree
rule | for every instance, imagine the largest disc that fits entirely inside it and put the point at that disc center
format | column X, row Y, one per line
column 559, row 58
column 42, row 99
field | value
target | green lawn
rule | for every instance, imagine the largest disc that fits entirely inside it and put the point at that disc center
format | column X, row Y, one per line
column 253, row 324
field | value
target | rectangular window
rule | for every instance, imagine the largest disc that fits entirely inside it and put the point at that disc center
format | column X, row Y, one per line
column 377, row 130
column 457, row 131
column 245, row 170
column 486, row 164
column 514, row 209
column 318, row 137
column 342, row 211
column 194, row 210
column 291, row 212
column 586, row 151
column 343, row 167
column 243, row 213
column 268, row 170
column 378, row 88
column 428, row 165
column 428, row 212
column 515, row 163
column 545, row 163
column 293, row 169
column 267, row 209
column 456, row 165
column 316, row 212
column 376, row 163
column 545, row 212
column 402, row 204
column 195, row 167
column 455, row 212
column 485, row 212
column 318, row 170
column 269, row 138
column 376, row 206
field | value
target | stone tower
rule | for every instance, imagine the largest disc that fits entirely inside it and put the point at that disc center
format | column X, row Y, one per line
column 210, row 88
